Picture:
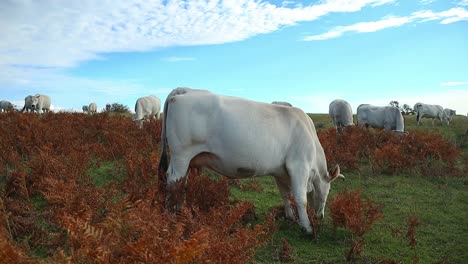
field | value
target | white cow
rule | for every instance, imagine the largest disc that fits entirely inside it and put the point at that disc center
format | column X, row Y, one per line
column 92, row 108
column 241, row 138
column 341, row 113
column 386, row 117
column 28, row 104
column 41, row 103
column 147, row 107
column 450, row 113
column 281, row 103
column 6, row 106
column 85, row 108
column 430, row 111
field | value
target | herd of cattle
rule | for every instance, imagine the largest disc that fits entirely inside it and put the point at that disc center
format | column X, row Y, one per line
column 241, row 138
column 389, row 118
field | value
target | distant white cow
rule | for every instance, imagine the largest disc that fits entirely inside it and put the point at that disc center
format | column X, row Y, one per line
column 386, row 117
column 430, row 111
column 92, row 108
column 85, row 108
column 28, row 104
column 450, row 113
column 281, row 103
column 147, row 107
column 41, row 103
column 6, row 106
column 241, row 138
column 341, row 113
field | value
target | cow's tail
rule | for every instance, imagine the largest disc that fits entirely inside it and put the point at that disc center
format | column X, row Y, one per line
column 163, row 162
column 138, row 110
column 416, row 109
column 400, row 122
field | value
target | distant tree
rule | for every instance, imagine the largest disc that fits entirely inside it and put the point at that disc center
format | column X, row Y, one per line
column 407, row 110
column 395, row 104
column 119, row 108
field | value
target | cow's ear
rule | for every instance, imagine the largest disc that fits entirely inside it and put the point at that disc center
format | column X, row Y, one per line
column 335, row 173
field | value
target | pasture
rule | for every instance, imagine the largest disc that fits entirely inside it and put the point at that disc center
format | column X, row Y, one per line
column 84, row 189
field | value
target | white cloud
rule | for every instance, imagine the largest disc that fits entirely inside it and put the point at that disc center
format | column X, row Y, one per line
column 426, row 2
column 39, row 39
column 286, row 3
column 64, row 33
column 445, row 17
column 453, row 83
column 463, row 3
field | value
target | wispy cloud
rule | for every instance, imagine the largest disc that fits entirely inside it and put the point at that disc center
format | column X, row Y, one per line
column 463, row 3
column 445, row 17
column 453, row 83
column 64, row 34
column 49, row 36
column 177, row 59
column 426, row 2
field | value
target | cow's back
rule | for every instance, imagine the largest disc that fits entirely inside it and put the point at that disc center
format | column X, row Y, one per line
column 431, row 111
column 147, row 106
column 5, row 105
column 45, row 101
column 92, row 107
column 341, row 113
column 387, row 117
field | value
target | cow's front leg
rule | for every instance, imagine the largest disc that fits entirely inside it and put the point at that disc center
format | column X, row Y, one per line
column 299, row 191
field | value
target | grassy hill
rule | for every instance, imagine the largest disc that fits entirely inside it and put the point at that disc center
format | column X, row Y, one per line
column 83, row 189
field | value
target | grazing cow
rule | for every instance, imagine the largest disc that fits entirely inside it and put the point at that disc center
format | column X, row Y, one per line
column 341, row 113
column 430, row 111
column 28, row 104
column 147, row 107
column 281, row 103
column 41, row 103
column 85, row 108
column 386, row 117
column 450, row 113
column 6, row 106
column 240, row 138
column 92, row 108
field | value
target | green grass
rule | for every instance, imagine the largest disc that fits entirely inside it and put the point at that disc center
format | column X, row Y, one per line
column 439, row 203
column 105, row 173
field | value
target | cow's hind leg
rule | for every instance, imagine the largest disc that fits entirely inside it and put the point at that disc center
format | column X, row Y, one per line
column 176, row 180
column 285, row 190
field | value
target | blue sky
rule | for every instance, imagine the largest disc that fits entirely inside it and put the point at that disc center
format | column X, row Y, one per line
column 305, row 52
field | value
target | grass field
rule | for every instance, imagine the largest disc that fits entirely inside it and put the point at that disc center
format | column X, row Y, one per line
column 62, row 188
column 440, row 203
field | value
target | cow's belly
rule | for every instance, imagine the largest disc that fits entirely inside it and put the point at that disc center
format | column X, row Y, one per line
column 237, row 167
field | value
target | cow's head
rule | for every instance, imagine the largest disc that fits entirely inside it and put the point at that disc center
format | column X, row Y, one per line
column 321, row 190
column 35, row 101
